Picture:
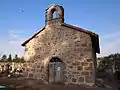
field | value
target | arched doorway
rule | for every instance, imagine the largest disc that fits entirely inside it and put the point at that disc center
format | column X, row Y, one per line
column 56, row 69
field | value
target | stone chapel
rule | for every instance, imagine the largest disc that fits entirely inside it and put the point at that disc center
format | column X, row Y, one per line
column 60, row 52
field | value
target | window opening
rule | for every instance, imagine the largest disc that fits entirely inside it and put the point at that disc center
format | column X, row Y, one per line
column 54, row 14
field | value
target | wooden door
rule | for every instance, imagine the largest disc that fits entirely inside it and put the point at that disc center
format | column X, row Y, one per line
column 56, row 69
column 51, row 72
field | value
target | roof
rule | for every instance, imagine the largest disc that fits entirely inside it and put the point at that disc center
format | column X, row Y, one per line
column 78, row 29
column 95, row 37
column 26, row 41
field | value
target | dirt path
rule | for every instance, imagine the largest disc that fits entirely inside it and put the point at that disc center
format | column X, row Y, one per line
column 31, row 84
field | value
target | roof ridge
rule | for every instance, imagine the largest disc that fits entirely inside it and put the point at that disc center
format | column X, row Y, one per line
column 36, row 33
column 78, row 28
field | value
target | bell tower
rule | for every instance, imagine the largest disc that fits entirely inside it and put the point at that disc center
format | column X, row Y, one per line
column 54, row 15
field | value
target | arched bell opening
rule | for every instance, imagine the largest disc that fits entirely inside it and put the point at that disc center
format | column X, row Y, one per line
column 56, row 70
column 54, row 13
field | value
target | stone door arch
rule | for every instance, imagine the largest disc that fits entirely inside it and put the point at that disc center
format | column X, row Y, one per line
column 56, row 71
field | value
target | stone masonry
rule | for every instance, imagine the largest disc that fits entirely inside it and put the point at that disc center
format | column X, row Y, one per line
column 75, row 46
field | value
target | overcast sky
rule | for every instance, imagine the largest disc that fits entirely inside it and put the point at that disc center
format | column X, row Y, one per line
column 19, row 19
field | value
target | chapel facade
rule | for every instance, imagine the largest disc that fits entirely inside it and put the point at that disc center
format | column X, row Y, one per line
column 60, row 52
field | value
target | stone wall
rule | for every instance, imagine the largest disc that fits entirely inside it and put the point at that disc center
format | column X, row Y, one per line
column 73, row 47
column 16, row 65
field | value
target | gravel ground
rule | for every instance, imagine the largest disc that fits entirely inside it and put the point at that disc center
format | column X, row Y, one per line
column 31, row 84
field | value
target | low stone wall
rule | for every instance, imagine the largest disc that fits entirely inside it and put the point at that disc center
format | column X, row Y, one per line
column 14, row 64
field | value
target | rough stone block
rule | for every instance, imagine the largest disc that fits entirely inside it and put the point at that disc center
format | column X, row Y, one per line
column 88, row 68
column 25, row 65
column 81, row 79
column 28, row 69
column 75, row 63
column 31, row 75
column 38, row 66
column 89, row 79
column 90, row 65
column 26, row 74
column 70, row 66
column 42, row 67
column 84, row 73
column 79, row 68
column 81, row 54
column 75, row 73
column 89, row 60
column 65, row 72
column 84, row 45
column 33, row 69
column 74, row 79
column 68, row 62
column 77, row 43
column 84, row 63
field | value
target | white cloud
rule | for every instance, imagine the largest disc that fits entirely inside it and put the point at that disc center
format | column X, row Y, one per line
column 110, row 43
column 12, row 43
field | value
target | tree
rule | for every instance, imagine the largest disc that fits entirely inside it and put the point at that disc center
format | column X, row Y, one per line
column 109, row 60
column 9, row 57
column 22, row 59
column 4, row 57
column 16, row 56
